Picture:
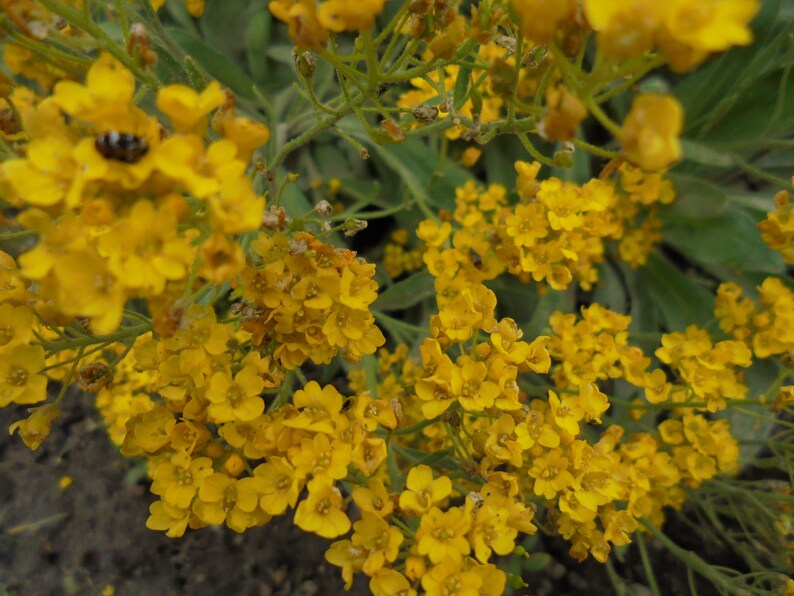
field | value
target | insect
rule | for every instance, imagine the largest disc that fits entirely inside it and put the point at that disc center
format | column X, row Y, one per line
column 121, row 146
column 475, row 257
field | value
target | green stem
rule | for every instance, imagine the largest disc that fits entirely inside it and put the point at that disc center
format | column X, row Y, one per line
column 646, row 563
column 524, row 138
column 323, row 125
column 690, row 559
column 121, row 8
column 284, row 393
column 601, row 152
column 16, row 235
column 68, row 380
column 417, row 427
column 69, row 343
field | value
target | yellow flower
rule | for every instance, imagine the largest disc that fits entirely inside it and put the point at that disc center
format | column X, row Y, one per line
column 169, row 518
column 36, row 427
column 449, row 579
column 48, row 175
column 145, row 250
column 178, row 479
column 551, row 474
column 321, row 511
column 388, row 582
column 710, row 25
column 422, row 491
column 16, row 326
column 236, row 399
column 246, row 134
column 490, row 532
column 305, row 29
column 349, row 557
column 470, row 386
column 540, row 19
column 20, row 381
column 380, row 540
column 340, row 15
column 442, row 534
column 87, row 288
column 221, row 498
column 374, row 498
column 278, row 485
column 188, row 109
column 106, row 98
column 321, row 458
column 649, row 134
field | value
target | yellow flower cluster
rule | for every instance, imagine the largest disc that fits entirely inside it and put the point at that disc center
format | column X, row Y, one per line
column 103, row 185
column 20, row 360
column 309, row 300
column 687, row 33
column 596, row 349
column 555, row 233
column 777, row 230
column 398, row 259
column 767, row 327
column 515, row 448
column 311, row 23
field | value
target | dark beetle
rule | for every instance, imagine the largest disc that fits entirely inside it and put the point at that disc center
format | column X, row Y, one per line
column 121, row 146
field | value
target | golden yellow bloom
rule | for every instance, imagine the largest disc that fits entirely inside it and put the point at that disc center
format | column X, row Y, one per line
column 387, row 582
column 449, row 579
column 442, row 534
column 178, row 479
column 379, row 540
column 422, row 491
column 187, row 109
column 277, row 484
column 305, row 29
column 340, row 15
column 540, row 19
column 238, row 398
column 649, row 134
column 321, row 511
column 36, row 427
column 20, row 381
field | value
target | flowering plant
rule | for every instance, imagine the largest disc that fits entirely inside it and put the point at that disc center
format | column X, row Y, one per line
column 565, row 332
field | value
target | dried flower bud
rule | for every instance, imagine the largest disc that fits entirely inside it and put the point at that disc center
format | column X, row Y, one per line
column 425, row 114
column 94, row 377
column 9, row 124
column 140, row 44
column 298, row 247
column 395, row 133
column 324, row 208
column 305, row 64
column 353, row 226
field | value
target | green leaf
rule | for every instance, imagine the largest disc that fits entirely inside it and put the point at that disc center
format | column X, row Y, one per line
column 415, row 164
column 413, row 290
column 217, row 65
column 611, row 290
column 220, row 19
column 551, row 301
column 257, row 39
column 703, row 154
column 461, row 89
column 697, row 198
column 680, row 301
column 730, row 239
column 759, row 377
